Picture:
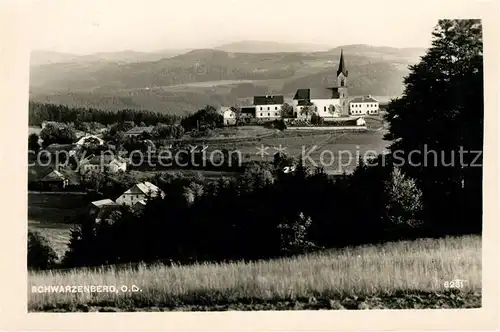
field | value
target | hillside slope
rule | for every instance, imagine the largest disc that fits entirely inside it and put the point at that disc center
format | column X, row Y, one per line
column 191, row 80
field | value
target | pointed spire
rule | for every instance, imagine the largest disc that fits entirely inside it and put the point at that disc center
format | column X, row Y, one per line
column 342, row 68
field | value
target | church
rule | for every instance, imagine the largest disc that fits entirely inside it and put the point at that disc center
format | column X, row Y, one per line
column 328, row 102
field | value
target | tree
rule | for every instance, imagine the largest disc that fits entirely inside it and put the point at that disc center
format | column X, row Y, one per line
column 294, row 233
column 33, row 144
column 404, row 200
column 286, row 111
column 91, row 145
column 41, row 256
column 308, row 111
column 442, row 111
column 57, row 133
column 237, row 114
column 94, row 180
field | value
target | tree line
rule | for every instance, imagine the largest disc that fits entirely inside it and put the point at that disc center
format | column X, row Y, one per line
column 40, row 112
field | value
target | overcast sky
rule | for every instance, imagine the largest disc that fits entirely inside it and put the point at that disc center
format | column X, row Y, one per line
column 112, row 25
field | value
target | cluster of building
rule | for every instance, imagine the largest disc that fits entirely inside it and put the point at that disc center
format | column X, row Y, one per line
column 136, row 198
column 328, row 102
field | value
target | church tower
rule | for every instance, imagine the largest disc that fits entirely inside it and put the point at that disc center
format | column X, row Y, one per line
column 342, row 74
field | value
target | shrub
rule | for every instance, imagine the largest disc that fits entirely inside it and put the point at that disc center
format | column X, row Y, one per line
column 404, row 200
column 293, row 235
column 41, row 256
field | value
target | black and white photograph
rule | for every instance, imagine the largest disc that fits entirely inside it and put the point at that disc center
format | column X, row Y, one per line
column 253, row 156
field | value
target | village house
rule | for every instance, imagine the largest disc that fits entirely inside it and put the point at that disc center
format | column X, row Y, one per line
column 326, row 102
column 139, row 192
column 365, row 105
column 268, row 107
column 102, row 163
column 136, row 131
column 247, row 112
column 82, row 139
column 228, row 115
column 54, row 180
column 101, row 209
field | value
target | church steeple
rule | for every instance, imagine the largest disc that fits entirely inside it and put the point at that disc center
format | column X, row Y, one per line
column 342, row 68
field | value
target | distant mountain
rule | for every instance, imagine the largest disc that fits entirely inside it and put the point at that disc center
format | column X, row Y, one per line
column 126, row 56
column 188, row 81
column 48, row 57
column 254, row 46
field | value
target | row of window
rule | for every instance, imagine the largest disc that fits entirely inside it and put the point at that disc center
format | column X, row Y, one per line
column 361, row 112
column 369, row 105
column 269, row 114
column 268, row 108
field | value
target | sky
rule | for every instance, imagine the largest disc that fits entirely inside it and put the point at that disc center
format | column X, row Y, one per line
column 90, row 26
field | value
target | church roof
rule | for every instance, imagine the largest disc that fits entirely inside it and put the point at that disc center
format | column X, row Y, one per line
column 317, row 93
column 342, row 68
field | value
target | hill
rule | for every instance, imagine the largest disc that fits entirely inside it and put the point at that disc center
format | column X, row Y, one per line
column 50, row 57
column 255, row 46
column 188, row 81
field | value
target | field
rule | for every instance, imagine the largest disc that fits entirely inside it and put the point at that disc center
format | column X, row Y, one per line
column 338, row 151
column 407, row 274
column 57, row 234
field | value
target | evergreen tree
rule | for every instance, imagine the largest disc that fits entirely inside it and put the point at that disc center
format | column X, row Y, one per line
column 440, row 114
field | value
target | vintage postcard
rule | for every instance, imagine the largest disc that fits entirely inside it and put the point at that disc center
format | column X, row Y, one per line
column 285, row 164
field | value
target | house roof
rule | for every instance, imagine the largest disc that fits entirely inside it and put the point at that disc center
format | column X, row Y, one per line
column 364, row 99
column 144, row 188
column 82, row 139
column 140, row 130
column 324, row 93
column 303, row 94
column 268, row 100
column 317, row 93
column 59, row 147
column 104, row 202
column 54, row 176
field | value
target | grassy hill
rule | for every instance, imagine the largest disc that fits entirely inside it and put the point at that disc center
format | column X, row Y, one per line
column 398, row 275
column 191, row 80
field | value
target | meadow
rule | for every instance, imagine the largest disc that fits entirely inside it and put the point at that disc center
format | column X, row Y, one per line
column 405, row 274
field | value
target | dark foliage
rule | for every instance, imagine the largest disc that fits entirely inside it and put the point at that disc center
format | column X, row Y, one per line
column 81, row 117
column 41, row 256
column 440, row 114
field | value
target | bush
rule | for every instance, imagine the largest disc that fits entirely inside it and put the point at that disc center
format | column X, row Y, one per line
column 293, row 235
column 41, row 256
column 404, row 200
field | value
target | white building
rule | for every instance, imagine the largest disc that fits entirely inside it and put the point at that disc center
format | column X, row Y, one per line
column 139, row 192
column 268, row 107
column 229, row 116
column 103, row 163
column 324, row 102
column 328, row 102
column 365, row 105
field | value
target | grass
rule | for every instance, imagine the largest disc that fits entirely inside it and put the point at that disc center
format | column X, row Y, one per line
column 414, row 271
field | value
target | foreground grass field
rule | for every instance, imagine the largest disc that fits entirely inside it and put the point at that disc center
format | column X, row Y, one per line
column 409, row 274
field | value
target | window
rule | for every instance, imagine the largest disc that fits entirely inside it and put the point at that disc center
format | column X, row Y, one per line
column 276, row 114
column 324, row 108
column 268, row 114
column 261, row 108
column 276, row 108
column 268, row 108
column 261, row 113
